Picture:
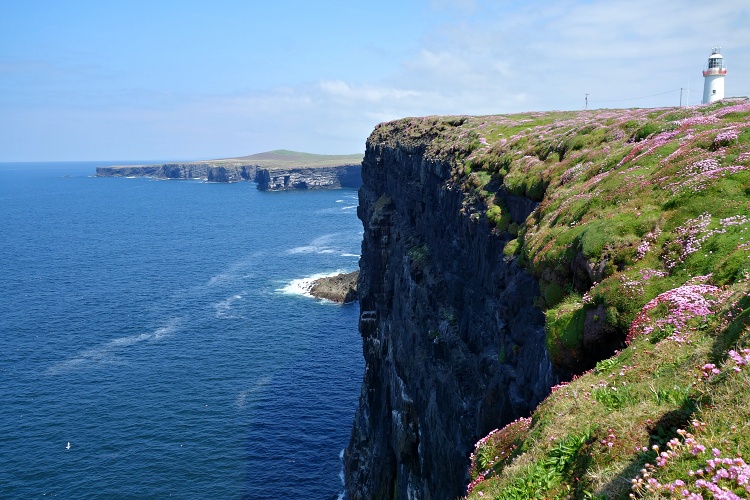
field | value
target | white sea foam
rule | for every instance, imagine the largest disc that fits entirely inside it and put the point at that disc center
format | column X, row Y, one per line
column 350, row 255
column 106, row 353
column 342, row 495
column 336, row 210
column 238, row 270
column 126, row 341
column 302, row 249
column 241, row 400
column 322, row 244
column 167, row 330
column 223, row 308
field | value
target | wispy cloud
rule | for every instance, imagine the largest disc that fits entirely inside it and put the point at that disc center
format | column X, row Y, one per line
column 471, row 57
column 339, row 89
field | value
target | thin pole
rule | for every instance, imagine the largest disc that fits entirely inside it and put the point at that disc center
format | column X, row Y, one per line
column 680, row 96
column 587, row 102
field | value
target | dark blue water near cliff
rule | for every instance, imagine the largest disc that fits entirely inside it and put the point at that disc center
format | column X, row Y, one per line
column 154, row 326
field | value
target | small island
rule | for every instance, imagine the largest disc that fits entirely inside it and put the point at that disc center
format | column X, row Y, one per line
column 341, row 288
column 278, row 170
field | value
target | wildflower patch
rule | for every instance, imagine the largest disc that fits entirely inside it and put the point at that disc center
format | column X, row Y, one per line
column 674, row 313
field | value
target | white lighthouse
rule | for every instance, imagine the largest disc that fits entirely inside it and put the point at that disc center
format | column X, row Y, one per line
column 713, row 85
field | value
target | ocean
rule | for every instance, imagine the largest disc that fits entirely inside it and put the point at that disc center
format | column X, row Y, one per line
column 155, row 339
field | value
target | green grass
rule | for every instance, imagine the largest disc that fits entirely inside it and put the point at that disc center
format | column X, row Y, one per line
column 633, row 203
column 639, row 398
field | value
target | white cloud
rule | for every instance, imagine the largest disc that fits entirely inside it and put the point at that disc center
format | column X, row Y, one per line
column 548, row 55
column 480, row 57
column 367, row 93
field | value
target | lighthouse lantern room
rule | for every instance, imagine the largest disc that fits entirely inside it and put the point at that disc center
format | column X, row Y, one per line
column 713, row 84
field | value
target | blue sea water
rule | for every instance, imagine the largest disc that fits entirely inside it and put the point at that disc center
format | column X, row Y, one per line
column 157, row 327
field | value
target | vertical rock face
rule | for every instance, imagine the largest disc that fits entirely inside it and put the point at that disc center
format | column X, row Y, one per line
column 453, row 344
column 201, row 170
column 343, row 176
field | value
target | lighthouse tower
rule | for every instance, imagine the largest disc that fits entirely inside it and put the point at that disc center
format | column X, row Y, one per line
column 713, row 85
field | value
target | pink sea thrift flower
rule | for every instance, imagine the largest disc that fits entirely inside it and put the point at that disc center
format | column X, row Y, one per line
column 684, row 304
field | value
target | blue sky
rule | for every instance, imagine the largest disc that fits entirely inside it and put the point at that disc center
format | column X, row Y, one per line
column 159, row 80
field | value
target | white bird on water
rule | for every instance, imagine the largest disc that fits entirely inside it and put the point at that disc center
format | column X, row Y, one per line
column 68, row 446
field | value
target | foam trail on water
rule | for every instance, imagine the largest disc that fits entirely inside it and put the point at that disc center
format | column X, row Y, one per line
column 126, row 341
column 238, row 270
column 336, row 210
column 223, row 308
column 241, row 400
column 106, row 353
column 322, row 244
column 167, row 330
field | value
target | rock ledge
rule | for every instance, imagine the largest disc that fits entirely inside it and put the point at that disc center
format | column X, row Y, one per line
column 341, row 288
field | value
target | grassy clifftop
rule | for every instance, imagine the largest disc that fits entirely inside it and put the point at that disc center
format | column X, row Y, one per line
column 278, row 159
column 285, row 159
column 641, row 242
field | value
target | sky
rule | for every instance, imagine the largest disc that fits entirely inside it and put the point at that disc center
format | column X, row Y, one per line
column 189, row 79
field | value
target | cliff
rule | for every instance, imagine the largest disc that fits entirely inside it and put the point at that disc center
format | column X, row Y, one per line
column 210, row 171
column 272, row 171
column 505, row 254
column 279, row 179
column 452, row 340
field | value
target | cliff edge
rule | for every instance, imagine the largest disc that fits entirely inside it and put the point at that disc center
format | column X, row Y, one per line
column 452, row 339
column 278, row 170
column 505, row 255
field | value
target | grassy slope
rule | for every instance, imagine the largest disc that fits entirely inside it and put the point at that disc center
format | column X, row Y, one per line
column 283, row 159
column 643, row 231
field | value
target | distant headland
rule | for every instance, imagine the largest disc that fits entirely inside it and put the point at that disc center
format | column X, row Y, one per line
column 277, row 170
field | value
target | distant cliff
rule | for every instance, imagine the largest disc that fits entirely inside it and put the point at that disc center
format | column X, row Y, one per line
column 343, row 176
column 272, row 171
column 504, row 254
column 211, row 172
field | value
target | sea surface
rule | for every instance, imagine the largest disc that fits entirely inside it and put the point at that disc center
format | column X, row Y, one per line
column 155, row 341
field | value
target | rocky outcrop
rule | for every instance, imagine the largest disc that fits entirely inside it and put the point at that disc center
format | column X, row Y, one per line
column 341, row 288
column 344, row 176
column 453, row 343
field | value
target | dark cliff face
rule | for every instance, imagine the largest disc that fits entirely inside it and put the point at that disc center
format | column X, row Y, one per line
column 267, row 179
column 208, row 171
column 344, row 176
column 453, row 344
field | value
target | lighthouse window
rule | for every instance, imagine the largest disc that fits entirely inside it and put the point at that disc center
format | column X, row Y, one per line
column 714, row 91
column 715, row 63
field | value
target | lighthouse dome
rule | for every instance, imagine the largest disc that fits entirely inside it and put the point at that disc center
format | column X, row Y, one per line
column 715, row 61
column 715, row 65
